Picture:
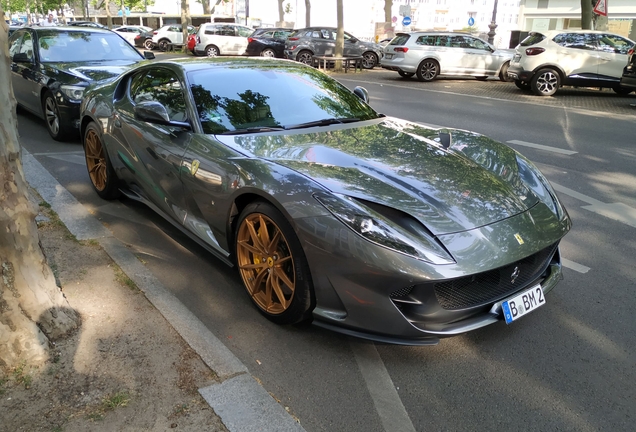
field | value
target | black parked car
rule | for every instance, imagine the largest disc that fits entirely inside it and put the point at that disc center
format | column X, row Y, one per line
column 628, row 80
column 268, row 42
column 51, row 67
column 85, row 24
column 144, row 40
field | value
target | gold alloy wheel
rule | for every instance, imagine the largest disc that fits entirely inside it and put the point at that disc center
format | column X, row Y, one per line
column 265, row 263
column 95, row 160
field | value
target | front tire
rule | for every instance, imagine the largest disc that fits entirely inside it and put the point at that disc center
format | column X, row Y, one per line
column 481, row 78
column 427, row 70
column 163, row 45
column 545, row 82
column 272, row 264
column 100, row 170
column 503, row 73
column 59, row 129
column 369, row 60
column 148, row 44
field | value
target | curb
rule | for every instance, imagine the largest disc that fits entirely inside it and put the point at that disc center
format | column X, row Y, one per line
column 241, row 402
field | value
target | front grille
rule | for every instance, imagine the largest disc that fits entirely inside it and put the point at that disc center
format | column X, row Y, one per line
column 492, row 285
column 402, row 292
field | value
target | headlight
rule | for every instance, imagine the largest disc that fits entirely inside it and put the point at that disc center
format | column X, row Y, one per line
column 411, row 239
column 536, row 181
column 73, row 92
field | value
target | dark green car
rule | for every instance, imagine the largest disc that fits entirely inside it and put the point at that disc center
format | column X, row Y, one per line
column 51, row 67
column 368, row 225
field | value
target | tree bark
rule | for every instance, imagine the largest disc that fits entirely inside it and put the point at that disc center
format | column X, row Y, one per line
column 206, row 7
column 307, row 13
column 339, row 36
column 586, row 14
column 124, row 21
column 33, row 310
column 388, row 4
column 281, row 12
column 109, row 15
column 185, row 21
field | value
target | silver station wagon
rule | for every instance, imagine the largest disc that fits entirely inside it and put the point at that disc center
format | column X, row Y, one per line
column 430, row 54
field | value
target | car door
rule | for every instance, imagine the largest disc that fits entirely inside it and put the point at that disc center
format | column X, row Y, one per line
column 576, row 54
column 612, row 52
column 158, row 150
column 324, row 42
column 351, row 46
column 24, row 74
column 175, row 35
column 452, row 54
column 478, row 58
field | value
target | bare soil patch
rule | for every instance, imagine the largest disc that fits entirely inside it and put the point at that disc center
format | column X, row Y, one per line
column 126, row 368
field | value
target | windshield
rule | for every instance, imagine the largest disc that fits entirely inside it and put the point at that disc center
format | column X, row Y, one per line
column 79, row 46
column 271, row 96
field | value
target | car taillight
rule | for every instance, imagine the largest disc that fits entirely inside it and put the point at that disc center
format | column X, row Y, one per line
column 154, row 33
column 401, row 49
column 631, row 51
column 250, row 40
column 293, row 47
column 293, row 38
column 198, row 39
column 534, row 51
column 137, row 37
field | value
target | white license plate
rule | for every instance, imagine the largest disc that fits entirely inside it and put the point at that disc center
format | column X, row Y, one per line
column 521, row 304
column 389, row 56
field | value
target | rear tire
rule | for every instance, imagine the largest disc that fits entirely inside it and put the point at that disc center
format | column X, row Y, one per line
column 100, row 170
column 164, row 45
column 503, row 73
column 272, row 264
column 305, row 57
column 427, row 70
column 268, row 52
column 622, row 91
column 545, row 82
column 148, row 44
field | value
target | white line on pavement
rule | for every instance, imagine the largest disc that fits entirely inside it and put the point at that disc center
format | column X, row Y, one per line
column 385, row 397
column 574, row 266
column 542, row 147
column 81, row 152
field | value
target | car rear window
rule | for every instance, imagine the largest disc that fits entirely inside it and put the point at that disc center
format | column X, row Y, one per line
column 532, row 38
column 400, row 39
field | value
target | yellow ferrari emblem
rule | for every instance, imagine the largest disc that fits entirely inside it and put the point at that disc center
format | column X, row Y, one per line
column 194, row 167
column 519, row 239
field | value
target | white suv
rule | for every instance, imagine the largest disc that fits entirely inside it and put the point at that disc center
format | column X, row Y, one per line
column 214, row 39
column 545, row 61
column 169, row 35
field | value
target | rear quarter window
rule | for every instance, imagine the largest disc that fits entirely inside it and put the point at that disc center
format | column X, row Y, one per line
column 532, row 38
column 425, row 40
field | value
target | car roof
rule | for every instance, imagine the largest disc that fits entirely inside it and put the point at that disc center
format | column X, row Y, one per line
column 550, row 33
column 67, row 29
column 190, row 64
column 434, row 32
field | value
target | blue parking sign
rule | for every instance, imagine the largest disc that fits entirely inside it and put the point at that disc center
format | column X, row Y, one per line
column 406, row 21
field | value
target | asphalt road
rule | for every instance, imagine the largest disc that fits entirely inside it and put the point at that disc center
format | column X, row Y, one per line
column 570, row 365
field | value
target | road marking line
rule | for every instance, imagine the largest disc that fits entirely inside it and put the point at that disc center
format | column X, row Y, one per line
column 70, row 157
column 617, row 211
column 542, row 147
column 385, row 397
column 58, row 153
column 574, row 266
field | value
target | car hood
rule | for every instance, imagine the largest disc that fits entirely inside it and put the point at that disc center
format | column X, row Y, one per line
column 472, row 183
column 95, row 70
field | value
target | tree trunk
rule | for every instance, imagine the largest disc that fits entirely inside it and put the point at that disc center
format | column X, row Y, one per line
column 33, row 310
column 339, row 36
column 388, row 4
column 307, row 13
column 185, row 21
column 281, row 12
column 123, row 13
column 109, row 15
column 586, row 14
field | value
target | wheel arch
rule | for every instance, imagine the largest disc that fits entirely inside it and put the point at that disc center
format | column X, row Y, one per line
column 552, row 66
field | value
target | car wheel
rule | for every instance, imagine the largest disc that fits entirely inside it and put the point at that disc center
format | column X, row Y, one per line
column 503, row 73
column 405, row 74
column 369, row 60
column 522, row 85
column 481, row 78
column 305, row 57
column 272, row 264
column 268, row 52
column 100, row 170
column 164, row 45
column 211, row 51
column 427, row 70
column 55, row 125
column 148, row 44
column 545, row 82
column 621, row 90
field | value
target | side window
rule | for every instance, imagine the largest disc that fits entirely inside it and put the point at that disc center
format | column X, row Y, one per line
column 326, row 34
column 477, row 43
column 425, row 40
column 27, row 45
column 458, row 42
column 613, row 44
column 226, row 30
column 160, row 85
column 442, row 41
column 575, row 40
column 245, row 31
column 14, row 43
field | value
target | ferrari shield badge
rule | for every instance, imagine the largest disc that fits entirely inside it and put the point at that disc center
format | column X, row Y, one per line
column 519, row 239
column 195, row 166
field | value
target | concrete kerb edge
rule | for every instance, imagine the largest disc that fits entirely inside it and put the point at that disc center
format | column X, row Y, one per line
column 239, row 400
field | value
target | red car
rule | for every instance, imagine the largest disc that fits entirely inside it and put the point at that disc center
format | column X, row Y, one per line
column 192, row 41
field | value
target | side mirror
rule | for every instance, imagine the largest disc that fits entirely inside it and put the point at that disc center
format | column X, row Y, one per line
column 154, row 112
column 353, row 40
column 22, row 58
column 149, row 55
column 362, row 93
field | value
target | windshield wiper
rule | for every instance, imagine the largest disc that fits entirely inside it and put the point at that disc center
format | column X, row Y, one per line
column 323, row 122
column 252, row 130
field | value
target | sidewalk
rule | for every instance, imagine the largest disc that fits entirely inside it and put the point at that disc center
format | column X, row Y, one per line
column 235, row 396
